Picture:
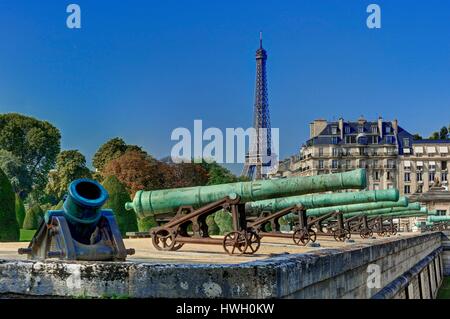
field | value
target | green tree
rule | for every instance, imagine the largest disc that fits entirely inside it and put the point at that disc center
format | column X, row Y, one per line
column 34, row 143
column 9, row 227
column 417, row 137
column 112, row 149
column 443, row 134
column 146, row 223
column 70, row 165
column 434, row 136
column 17, row 173
column 33, row 218
column 20, row 211
column 118, row 196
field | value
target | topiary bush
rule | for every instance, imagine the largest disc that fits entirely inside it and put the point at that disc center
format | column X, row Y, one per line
column 224, row 221
column 20, row 211
column 33, row 218
column 144, row 224
column 9, row 227
column 213, row 229
column 118, row 196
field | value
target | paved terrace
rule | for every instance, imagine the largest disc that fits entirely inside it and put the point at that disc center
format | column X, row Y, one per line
column 214, row 254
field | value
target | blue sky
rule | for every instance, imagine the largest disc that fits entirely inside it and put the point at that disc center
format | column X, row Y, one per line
column 139, row 69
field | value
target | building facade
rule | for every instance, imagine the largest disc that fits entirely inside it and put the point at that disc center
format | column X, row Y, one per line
column 389, row 153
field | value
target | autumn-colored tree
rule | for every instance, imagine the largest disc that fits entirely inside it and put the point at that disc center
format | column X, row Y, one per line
column 136, row 170
column 111, row 150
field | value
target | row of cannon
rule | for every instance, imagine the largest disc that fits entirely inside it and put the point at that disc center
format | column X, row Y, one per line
column 327, row 205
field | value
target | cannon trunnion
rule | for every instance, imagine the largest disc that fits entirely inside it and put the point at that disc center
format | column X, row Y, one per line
column 82, row 230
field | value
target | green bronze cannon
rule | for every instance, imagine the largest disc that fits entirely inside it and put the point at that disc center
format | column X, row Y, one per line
column 285, row 210
column 81, row 230
column 192, row 205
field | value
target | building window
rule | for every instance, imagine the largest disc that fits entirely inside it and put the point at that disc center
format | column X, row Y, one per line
column 320, row 164
column 347, row 130
column 388, row 129
column 320, row 151
column 334, row 140
column 390, row 139
column 441, row 212
column 444, row 165
column 419, row 188
column 334, row 164
column 391, row 164
column 407, row 177
column 376, row 175
column 348, row 164
column 360, row 129
column 432, row 166
column 407, row 189
column 388, row 176
column 406, row 142
column 334, row 130
column 431, row 176
column 362, row 164
column 374, row 140
column 444, row 177
column 350, row 139
column 336, row 152
column 374, row 129
column 419, row 177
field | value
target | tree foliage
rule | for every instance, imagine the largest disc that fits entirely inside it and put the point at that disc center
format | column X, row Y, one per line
column 9, row 227
column 34, row 143
column 33, row 218
column 137, row 171
column 434, row 136
column 118, row 196
column 224, row 221
column 17, row 173
column 20, row 211
column 70, row 165
column 111, row 150
column 443, row 133
column 417, row 137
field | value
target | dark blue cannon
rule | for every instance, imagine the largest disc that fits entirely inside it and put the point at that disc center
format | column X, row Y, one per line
column 82, row 230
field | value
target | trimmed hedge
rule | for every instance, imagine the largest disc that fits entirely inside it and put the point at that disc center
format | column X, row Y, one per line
column 118, row 196
column 20, row 211
column 213, row 228
column 33, row 218
column 9, row 227
column 224, row 221
column 144, row 224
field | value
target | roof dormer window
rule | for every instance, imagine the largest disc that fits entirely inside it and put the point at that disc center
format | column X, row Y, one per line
column 333, row 130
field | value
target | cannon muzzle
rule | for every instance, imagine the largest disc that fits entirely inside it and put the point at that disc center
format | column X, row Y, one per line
column 84, row 202
column 148, row 203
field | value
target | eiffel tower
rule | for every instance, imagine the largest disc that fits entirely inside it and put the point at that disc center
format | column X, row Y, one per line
column 256, row 161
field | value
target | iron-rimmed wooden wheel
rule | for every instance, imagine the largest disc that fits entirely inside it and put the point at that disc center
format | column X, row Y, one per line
column 235, row 243
column 340, row 234
column 164, row 240
column 300, row 237
column 312, row 235
column 366, row 233
column 253, row 242
column 381, row 233
column 393, row 231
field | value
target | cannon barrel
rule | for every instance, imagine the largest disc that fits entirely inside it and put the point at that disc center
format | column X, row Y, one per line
column 83, row 203
column 402, row 202
column 410, row 207
column 322, row 200
column 438, row 219
column 148, row 203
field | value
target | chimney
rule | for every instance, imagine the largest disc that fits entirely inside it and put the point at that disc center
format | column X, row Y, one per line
column 395, row 126
column 341, row 127
column 316, row 127
column 380, row 126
